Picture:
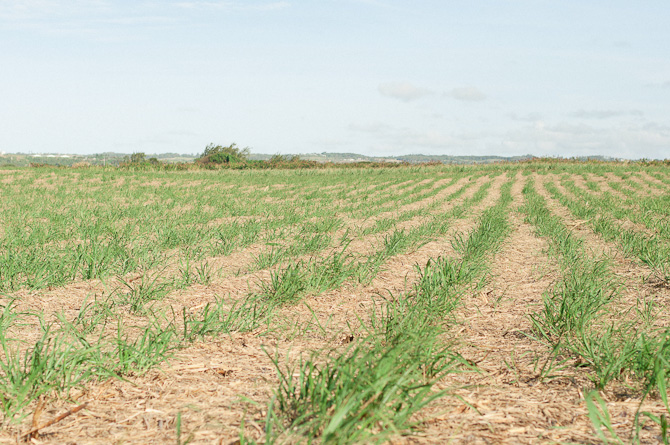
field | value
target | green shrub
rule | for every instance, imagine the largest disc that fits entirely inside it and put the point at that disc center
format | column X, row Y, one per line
column 218, row 154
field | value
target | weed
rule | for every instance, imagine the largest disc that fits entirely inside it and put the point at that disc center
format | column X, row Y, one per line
column 143, row 289
column 347, row 396
column 153, row 345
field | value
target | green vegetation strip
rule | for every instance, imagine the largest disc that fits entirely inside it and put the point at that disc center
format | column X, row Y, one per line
column 60, row 228
column 574, row 319
column 77, row 232
column 98, row 343
column 373, row 389
column 652, row 250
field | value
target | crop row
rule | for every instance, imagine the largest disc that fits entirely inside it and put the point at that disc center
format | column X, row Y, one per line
column 98, row 343
column 578, row 321
column 312, row 233
column 68, row 239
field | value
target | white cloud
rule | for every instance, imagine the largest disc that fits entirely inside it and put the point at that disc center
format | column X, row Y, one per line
column 658, row 84
column 141, row 20
column 468, row 94
column 98, row 18
column 378, row 3
column 17, row 10
column 403, row 91
column 529, row 117
column 384, row 138
column 567, row 128
column 233, row 5
column 185, row 133
column 569, row 139
column 562, row 138
column 22, row 11
column 188, row 109
column 373, row 127
column 271, row 6
column 428, row 139
column 604, row 114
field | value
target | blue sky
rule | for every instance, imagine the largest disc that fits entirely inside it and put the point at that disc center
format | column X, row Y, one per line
column 377, row 77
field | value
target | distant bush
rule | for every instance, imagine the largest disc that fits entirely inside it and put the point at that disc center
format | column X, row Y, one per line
column 219, row 154
column 139, row 161
column 138, row 158
column 655, row 162
column 217, row 157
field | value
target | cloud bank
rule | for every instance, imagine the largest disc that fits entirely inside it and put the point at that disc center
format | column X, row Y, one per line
column 604, row 114
column 403, row 91
column 466, row 94
column 233, row 5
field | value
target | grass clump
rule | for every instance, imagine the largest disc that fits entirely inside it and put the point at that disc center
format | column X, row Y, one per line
column 52, row 364
column 365, row 394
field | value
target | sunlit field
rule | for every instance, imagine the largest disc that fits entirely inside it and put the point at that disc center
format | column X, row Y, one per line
column 431, row 304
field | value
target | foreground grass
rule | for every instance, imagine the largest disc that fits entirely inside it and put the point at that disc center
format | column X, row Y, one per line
column 375, row 388
column 576, row 320
column 157, row 233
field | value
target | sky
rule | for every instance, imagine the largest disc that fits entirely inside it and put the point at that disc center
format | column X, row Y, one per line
column 375, row 77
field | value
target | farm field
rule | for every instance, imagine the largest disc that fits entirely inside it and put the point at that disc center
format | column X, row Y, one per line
column 505, row 303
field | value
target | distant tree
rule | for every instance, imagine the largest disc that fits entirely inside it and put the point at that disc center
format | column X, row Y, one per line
column 138, row 158
column 220, row 154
